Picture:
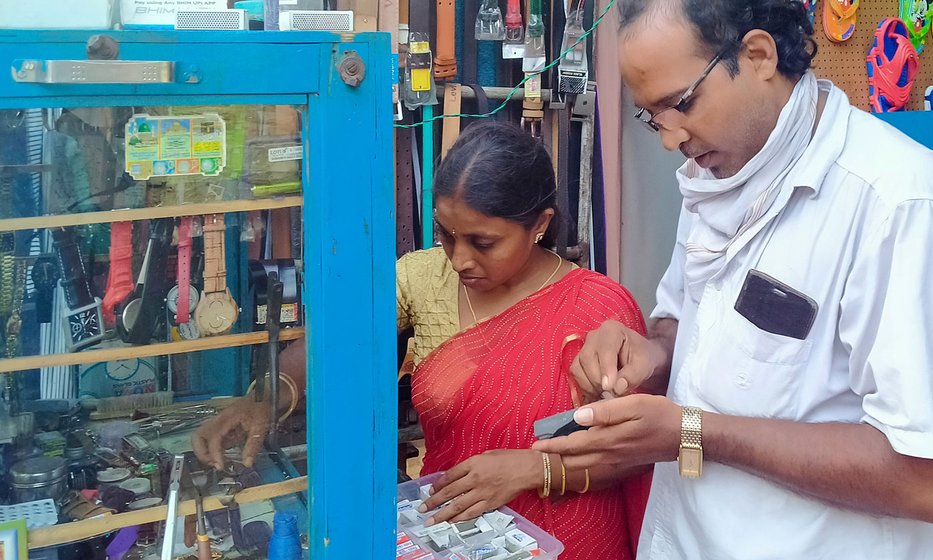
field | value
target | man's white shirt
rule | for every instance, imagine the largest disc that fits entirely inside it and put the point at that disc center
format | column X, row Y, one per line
column 853, row 229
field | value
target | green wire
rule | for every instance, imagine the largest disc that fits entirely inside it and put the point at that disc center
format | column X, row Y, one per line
column 528, row 76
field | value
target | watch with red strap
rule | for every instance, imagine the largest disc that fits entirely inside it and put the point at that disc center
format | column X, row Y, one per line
column 120, row 278
column 183, row 296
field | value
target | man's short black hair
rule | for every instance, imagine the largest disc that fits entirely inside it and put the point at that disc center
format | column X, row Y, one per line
column 721, row 24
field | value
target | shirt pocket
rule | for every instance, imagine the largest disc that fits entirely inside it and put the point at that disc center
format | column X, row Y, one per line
column 751, row 372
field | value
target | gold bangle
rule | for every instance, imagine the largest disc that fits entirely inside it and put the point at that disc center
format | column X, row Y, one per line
column 292, row 387
column 563, row 477
column 586, row 482
column 546, row 488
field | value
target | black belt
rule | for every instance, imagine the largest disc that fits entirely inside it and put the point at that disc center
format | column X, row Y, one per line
column 404, row 193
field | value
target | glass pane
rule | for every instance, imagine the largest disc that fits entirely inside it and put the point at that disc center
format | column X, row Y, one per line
column 105, row 215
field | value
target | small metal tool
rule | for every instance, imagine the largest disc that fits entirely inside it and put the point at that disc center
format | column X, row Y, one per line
column 273, row 325
column 168, row 539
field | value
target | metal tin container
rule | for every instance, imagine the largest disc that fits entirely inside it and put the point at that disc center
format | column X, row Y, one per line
column 39, row 478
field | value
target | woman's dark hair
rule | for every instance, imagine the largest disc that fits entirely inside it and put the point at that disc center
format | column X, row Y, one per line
column 723, row 23
column 500, row 170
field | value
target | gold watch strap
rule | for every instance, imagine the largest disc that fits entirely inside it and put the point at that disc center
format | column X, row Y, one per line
column 690, row 459
column 215, row 267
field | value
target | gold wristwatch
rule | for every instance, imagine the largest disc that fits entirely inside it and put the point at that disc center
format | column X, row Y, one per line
column 216, row 311
column 690, row 459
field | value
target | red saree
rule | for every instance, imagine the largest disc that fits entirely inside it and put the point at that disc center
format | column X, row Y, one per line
column 484, row 388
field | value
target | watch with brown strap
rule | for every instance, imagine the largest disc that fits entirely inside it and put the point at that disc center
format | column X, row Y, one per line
column 216, row 311
column 445, row 57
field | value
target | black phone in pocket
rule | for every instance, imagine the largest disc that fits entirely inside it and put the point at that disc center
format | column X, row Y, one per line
column 775, row 307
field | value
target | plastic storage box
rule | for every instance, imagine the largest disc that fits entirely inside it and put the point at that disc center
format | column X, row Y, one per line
column 56, row 14
column 414, row 545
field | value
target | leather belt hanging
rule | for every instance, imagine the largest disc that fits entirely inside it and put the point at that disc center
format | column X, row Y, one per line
column 445, row 58
column 404, row 193
column 451, row 127
column 468, row 62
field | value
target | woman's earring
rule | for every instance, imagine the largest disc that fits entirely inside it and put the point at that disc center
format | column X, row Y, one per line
column 539, row 237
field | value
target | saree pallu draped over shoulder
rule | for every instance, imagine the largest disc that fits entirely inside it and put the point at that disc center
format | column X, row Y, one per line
column 485, row 387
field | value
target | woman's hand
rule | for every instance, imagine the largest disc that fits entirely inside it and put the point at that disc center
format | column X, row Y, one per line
column 245, row 422
column 483, row 483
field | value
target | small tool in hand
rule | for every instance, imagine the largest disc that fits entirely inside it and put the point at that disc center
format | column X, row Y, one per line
column 273, row 324
column 558, row 425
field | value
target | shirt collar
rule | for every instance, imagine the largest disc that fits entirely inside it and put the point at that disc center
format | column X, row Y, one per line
column 828, row 142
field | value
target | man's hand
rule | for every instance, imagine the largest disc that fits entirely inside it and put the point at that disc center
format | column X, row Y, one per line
column 615, row 360
column 483, row 483
column 626, row 432
column 245, row 422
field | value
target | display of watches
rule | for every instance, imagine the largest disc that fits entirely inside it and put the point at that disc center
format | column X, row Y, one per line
column 217, row 311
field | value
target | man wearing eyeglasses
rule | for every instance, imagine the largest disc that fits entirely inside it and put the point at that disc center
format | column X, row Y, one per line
column 793, row 335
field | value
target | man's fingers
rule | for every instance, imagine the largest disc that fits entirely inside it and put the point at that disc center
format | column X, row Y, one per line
column 215, row 440
column 604, row 413
column 199, row 446
column 585, row 383
column 574, row 444
column 253, row 444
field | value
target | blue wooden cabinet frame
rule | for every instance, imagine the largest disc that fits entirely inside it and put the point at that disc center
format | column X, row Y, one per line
column 349, row 233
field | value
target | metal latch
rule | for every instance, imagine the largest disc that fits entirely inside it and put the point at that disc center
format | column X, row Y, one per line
column 93, row 71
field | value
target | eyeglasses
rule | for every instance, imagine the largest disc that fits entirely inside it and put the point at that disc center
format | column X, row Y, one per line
column 673, row 116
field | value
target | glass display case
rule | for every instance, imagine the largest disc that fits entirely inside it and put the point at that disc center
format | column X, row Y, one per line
column 174, row 207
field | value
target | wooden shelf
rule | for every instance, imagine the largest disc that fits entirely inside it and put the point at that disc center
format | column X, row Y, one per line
column 81, row 530
column 129, row 215
column 148, row 350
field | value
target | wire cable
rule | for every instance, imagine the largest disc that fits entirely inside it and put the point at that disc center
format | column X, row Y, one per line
column 528, row 76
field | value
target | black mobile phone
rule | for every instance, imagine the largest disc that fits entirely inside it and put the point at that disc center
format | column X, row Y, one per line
column 775, row 307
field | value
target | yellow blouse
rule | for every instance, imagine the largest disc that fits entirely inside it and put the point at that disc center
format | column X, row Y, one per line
column 426, row 298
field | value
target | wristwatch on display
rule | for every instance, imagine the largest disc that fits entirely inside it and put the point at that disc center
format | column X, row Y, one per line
column 217, row 311
column 140, row 313
column 183, row 296
column 690, row 458
column 84, row 321
column 120, row 278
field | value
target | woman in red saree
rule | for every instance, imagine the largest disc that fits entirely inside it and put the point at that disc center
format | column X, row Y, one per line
column 484, row 388
column 479, row 393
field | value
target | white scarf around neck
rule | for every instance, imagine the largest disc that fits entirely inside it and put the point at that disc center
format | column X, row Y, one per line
column 731, row 206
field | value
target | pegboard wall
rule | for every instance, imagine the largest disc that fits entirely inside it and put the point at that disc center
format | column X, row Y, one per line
column 844, row 63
